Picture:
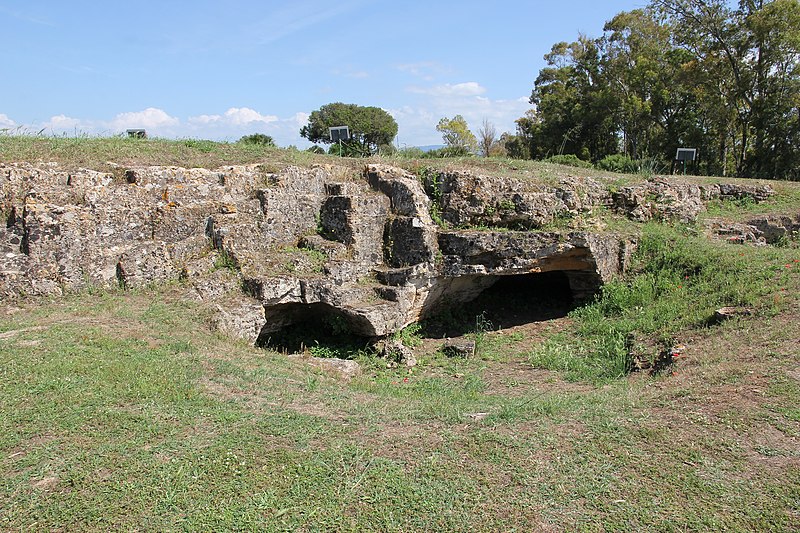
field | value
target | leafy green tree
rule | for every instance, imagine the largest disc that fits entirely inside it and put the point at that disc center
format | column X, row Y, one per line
column 529, row 142
column 455, row 133
column 514, row 146
column 572, row 100
column 775, row 30
column 635, row 51
column 751, row 55
column 708, row 74
column 370, row 127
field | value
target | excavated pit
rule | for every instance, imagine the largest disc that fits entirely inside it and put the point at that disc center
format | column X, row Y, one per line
column 505, row 302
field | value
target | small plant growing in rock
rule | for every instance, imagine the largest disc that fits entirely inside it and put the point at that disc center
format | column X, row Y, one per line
column 790, row 239
column 410, row 335
column 432, row 184
column 507, row 205
column 303, row 260
column 225, row 261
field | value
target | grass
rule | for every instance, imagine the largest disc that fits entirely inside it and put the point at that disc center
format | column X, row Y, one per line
column 97, row 152
column 679, row 278
column 123, row 411
column 785, row 202
column 163, row 425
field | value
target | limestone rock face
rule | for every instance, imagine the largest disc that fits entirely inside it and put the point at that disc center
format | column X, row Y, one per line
column 733, row 191
column 670, row 199
column 660, row 199
column 773, row 228
column 468, row 199
column 759, row 231
column 268, row 250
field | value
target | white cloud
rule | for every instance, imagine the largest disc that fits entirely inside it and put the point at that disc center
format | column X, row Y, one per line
column 426, row 70
column 151, row 118
column 244, row 115
column 63, row 123
column 234, row 116
column 239, row 121
column 470, row 88
column 6, row 122
column 297, row 16
column 417, row 123
column 230, row 125
column 300, row 119
column 205, row 119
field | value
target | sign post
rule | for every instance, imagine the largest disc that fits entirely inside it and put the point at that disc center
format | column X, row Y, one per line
column 339, row 134
column 685, row 154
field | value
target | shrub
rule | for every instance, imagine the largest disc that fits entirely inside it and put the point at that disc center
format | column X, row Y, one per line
column 200, row 145
column 448, row 151
column 348, row 149
column 618, row 163
column 258, row 139
column 387, row 149
column 649, row 166
column 411, row 152
column 570, row 160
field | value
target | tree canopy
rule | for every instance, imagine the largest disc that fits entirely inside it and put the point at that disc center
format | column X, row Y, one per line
column 456, row 135
column 370, row 127
column 693, row 73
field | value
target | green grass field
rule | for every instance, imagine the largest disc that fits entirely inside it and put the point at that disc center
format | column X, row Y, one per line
column 122, row 410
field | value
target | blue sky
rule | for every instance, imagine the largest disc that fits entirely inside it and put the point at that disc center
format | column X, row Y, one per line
column 220, row 70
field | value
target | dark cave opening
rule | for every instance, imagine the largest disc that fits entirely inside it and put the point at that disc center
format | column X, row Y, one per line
column 511, row 300
column 319, row 329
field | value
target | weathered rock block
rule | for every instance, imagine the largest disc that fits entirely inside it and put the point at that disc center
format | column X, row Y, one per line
column 267, row 250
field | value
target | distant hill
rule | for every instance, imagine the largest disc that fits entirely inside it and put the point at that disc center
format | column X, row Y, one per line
column 430, row 147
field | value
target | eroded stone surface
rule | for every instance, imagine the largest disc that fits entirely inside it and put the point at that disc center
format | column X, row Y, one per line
column 759, row 231
column 671, row 199
column 265, row 250
column 343, row 368
column 469, row 199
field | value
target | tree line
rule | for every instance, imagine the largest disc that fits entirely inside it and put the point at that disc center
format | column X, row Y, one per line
column 705, row 74
column 679, row 73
